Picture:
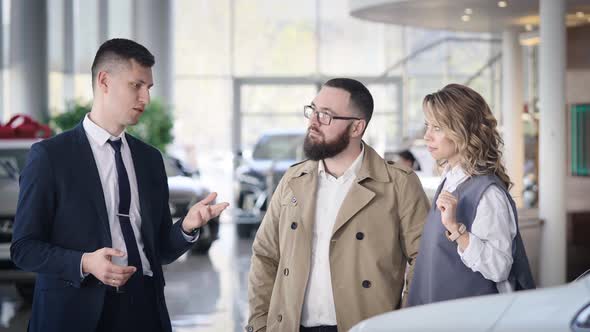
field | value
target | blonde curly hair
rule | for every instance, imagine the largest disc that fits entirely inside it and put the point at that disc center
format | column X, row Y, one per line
column 468, row 122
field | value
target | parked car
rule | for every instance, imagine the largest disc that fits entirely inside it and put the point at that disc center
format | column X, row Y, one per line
column 257, row 177
column 185, row 190
column 557, row 309
column 13, row 156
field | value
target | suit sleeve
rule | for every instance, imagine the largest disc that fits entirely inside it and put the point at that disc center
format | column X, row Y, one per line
column 172, row 241
column 264, row 264
column 31, row 248
column 413, row 210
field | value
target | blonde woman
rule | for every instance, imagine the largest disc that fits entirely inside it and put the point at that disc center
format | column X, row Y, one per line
column 471, row 244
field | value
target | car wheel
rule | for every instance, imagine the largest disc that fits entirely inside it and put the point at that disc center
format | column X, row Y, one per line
column 202, row 248
column 26, row 291
column 246, row 230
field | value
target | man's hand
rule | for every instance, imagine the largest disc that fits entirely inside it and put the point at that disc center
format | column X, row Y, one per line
column 99, row 264
column 202, row 212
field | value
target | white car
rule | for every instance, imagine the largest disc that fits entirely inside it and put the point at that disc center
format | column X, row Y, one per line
column 13, row 155
column 556, row 309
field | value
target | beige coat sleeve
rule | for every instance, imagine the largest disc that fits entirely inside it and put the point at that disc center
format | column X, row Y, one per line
column 264, row 264
column 413, row 210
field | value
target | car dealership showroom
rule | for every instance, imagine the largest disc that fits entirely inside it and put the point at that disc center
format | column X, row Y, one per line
column 243, row 177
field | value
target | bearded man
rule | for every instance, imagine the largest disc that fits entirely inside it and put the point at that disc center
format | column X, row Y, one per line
column 341, row 227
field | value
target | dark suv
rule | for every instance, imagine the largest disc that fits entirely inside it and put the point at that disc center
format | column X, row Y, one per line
column 257, row 177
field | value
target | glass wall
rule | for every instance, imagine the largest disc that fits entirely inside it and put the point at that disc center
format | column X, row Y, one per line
column 219, row 43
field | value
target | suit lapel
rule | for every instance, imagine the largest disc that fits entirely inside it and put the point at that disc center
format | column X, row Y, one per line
column 142, row 177
column 94, row 188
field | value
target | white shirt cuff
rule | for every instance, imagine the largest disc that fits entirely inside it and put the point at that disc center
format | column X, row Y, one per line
column 82, row 274
column 472, row 254
column 191, row 238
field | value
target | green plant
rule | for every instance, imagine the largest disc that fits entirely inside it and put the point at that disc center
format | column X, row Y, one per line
column 154, row 127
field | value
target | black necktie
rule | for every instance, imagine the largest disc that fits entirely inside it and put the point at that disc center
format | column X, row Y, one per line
column 133, row 258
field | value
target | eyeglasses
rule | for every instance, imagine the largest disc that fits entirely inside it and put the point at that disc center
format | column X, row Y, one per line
column 323, row 117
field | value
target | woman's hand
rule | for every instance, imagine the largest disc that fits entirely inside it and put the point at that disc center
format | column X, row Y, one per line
column 447, row 204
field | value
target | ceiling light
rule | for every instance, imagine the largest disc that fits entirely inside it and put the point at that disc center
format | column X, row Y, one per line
column 468, row 11
column 580, row 14
column 502, row 4
column 465, row 18
column 529, row 27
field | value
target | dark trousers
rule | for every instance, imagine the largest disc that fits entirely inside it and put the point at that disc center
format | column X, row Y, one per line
column 318, row 329
column 134, row 309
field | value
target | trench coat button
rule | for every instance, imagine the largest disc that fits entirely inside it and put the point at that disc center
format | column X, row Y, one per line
column 293, row 200
column 366, row 284
column 286, row 272
column 293, row 225
column 360, row 236
column 280, row 318
column 249, row 328
column 390, row 162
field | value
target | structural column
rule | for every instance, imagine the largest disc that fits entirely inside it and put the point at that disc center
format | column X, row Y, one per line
column 2, row 101
column 28, row 57
column 103, row 21
column 552, row 142
column 512, row 109
column 69, row 61
column 152, row 28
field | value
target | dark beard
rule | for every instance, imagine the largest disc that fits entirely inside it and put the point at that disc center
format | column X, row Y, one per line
column 323, row 150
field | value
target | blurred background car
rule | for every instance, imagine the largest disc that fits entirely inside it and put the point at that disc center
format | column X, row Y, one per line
column 13, row 155
column 274, row 152
column 556, row 309
column 186, row 189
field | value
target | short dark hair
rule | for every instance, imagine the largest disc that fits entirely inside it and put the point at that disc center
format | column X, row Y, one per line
column 360, row 96
column 118, row 50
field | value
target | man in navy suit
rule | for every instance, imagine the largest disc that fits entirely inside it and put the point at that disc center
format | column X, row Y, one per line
column 93, row 217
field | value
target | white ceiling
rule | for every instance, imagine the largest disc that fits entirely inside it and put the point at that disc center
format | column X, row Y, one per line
column 486, row 15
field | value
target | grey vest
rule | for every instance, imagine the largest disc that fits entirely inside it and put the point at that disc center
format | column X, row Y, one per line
column 440, row 274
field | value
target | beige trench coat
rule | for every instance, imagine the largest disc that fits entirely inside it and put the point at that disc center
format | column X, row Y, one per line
column 386, row 204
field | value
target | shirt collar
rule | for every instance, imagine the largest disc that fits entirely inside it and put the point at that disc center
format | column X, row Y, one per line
column 99, row 135
column 350, row 172
column 454, row 176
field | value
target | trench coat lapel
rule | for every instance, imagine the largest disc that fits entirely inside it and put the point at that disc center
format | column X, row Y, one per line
column 304, row 186
column 359, row 196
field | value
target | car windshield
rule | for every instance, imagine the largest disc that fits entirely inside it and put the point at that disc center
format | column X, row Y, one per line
column 12, row 162
column 279, row 147
column 171, row 168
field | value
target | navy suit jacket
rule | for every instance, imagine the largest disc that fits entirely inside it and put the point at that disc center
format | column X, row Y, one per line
column 62, row 214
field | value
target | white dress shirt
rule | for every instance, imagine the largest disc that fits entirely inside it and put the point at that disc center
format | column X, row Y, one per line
column 318, row 303
column 104, row 155
column 490, row 239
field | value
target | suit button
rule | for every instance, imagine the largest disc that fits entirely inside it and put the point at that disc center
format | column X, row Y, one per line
column 249, row 328
column 286, row 272
column 280, row 318
column 293, row 225
column 366, row 284
column 360, row 235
